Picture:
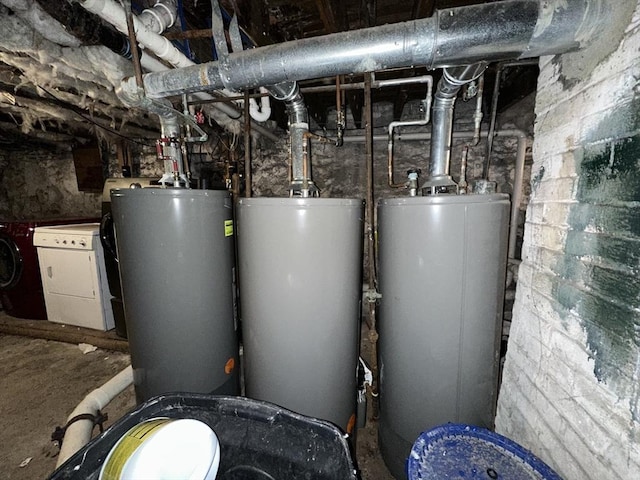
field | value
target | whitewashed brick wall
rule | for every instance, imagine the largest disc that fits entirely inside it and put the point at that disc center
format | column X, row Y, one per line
column 571, row 382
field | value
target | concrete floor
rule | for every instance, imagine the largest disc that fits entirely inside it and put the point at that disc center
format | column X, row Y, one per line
column 41, row 381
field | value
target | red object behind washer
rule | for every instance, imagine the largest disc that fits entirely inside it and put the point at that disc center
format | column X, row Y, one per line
column 20, row 283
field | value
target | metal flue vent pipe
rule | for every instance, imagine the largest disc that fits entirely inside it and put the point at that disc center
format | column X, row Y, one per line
column 503, row 30
column 442, row 123
column 289, row 93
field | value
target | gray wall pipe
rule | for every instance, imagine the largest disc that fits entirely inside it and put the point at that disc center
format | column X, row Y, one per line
column 503, row 30
column 516, row 198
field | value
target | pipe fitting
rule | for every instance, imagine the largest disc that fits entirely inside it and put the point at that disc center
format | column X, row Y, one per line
column 160, row 17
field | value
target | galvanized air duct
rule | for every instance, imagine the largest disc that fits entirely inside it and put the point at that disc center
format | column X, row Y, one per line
column 509, row 29
column 442, row 125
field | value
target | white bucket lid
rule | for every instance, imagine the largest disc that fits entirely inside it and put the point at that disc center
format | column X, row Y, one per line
column 167, row 449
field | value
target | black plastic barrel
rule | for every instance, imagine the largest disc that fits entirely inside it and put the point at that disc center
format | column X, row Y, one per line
column 258, row 440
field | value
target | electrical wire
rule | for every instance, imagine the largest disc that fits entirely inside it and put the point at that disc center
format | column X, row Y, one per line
column 76, row 110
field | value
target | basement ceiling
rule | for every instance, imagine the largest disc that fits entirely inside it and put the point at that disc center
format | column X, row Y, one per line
column 58, row 81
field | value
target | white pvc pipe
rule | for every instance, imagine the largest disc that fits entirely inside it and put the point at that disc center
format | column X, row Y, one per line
column 113, row 13
column 262, row 113
column 159, row 17
column 78, row 433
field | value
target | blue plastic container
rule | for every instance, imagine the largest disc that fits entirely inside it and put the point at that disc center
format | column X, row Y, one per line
column 455, row 451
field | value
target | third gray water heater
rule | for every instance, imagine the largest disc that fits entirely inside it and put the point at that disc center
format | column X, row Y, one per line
column 176, row 251
column 300, row 287
column 442, row 263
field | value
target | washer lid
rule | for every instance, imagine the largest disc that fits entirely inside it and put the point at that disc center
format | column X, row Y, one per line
column 469, row 452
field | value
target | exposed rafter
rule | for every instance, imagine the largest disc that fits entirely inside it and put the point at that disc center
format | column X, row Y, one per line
column 422, row 8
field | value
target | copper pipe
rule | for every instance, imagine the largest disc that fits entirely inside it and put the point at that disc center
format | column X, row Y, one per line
column 390, row 166
column 322, row 139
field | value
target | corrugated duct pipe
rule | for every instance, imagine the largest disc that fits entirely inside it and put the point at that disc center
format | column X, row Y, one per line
column 503, row 30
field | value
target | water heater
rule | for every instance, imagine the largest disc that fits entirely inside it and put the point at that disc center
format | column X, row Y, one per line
column 442, row 263
column 300, row 283
column 176, row 255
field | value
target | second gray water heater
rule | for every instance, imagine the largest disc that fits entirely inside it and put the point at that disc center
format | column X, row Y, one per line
column 300, row 284
column 175, row 250
column 442, row 263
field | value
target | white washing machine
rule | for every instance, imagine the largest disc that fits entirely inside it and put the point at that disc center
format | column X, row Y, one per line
column 75, row 285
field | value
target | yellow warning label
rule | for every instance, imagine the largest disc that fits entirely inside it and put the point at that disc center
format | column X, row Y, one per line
column 228, row 228
column 127, row 445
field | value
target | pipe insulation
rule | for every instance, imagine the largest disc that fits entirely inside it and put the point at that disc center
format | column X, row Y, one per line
column 35, row 15
column 78, row 433
column 503, row 30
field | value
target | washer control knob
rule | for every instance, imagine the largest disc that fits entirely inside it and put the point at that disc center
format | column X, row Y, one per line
column 82, row 242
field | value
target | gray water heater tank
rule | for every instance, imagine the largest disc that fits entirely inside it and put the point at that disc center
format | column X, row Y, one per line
column 442, row 263
column 176, row 256
column 300, row 283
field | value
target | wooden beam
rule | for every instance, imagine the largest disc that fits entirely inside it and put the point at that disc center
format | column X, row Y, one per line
column 189, row 34
column 422, row 8
column 62, row 333
column 368, row 9
column 326, row 14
